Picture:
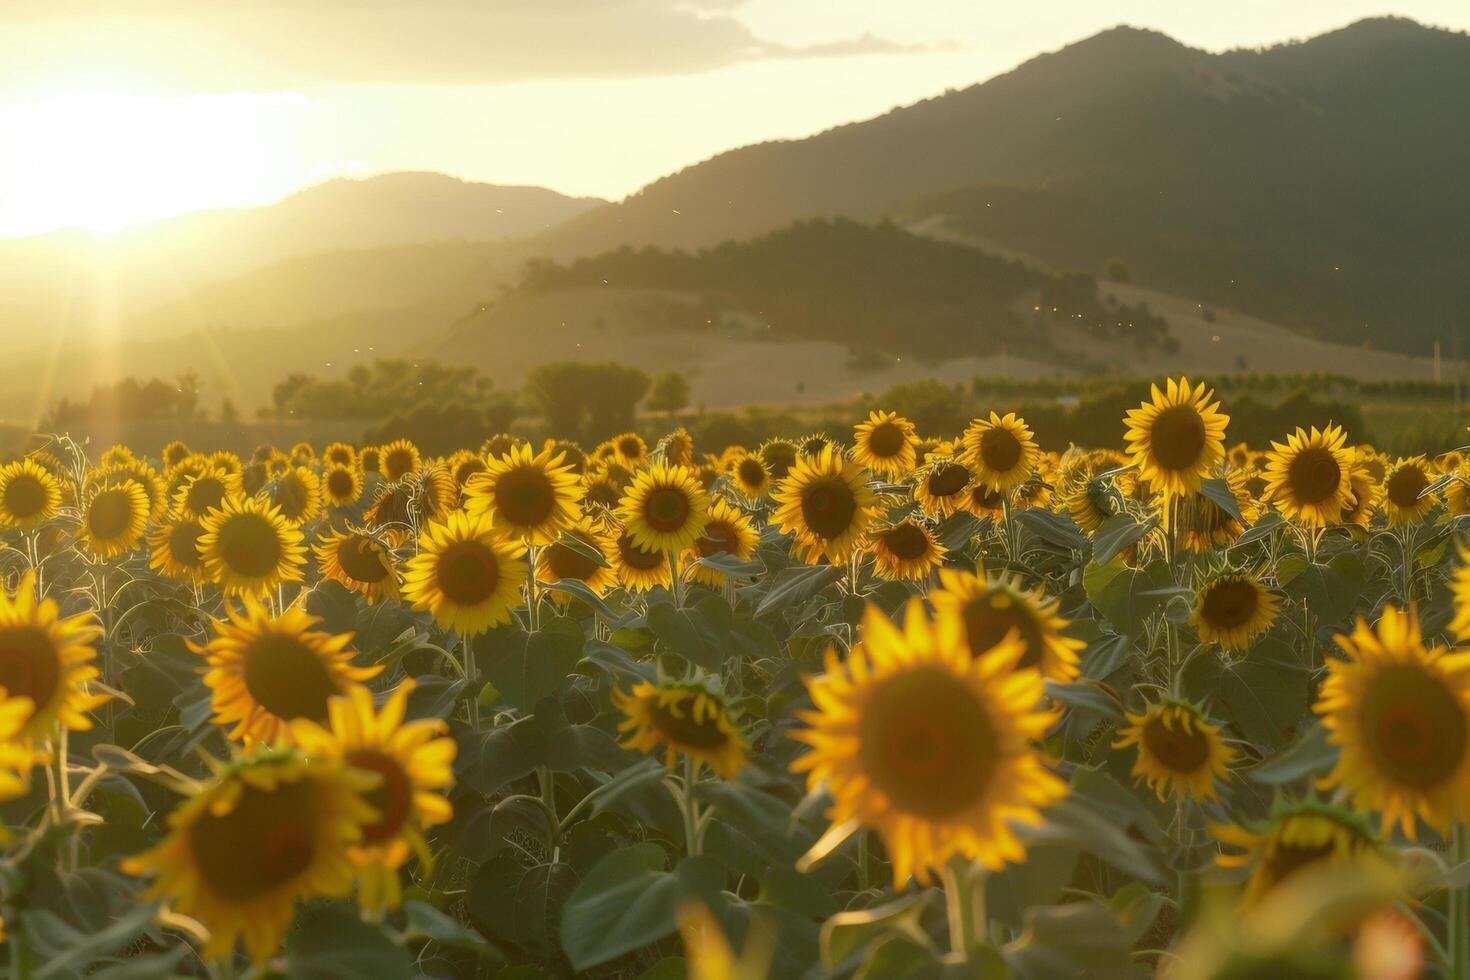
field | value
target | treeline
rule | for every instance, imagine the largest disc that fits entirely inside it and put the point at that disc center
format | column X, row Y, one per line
column 877, row 288
column 130, row 399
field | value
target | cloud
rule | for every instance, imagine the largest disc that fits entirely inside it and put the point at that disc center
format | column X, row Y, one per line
column 274, row 44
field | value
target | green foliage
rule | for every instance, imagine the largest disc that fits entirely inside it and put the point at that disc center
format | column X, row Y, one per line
column 593, row 401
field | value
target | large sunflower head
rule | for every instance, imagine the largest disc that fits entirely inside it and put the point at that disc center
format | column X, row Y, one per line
column 1298, row 835
column 682, row 719
column 729, row 532
column 1403, row 498
column 751, row 475
column 412, row 761
column 114, row 517
column 532, row 496
column 944, row 485
column 465, row 575
column 1232, row 610
column 268, row 829
column 905, row 551
column 1000, row 451
column 360, row 562
column 990, row 609
column 638, row 568
column 665, row 509
column 1401, row 713
column 341, row 485
column 560, row 560
column 297, row 494
column 884, row 444
column 173, row 550
column 398, row 459
column 932, row 746
column 1309, row 477
column 1177, row 437
column 249, row 548
column 265, row 672
column 47, row 659
column 1180, row 751
column 204, row 491
column 825, row 501
column 29, row 495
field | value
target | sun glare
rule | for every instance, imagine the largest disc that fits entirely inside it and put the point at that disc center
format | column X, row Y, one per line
column 103, row 160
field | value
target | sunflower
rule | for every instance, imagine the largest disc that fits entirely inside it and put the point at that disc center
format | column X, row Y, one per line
column 980, row 500
column 339, row 454
column 599, row 491
column 465, row 575
column 1091, row 504
column 676, row 448
column 29, row 495
column 531, row 496
column 18, row 754
column 990, row 608
column 640, row 570
column 360, row 562
column 47, row 658
column 173, row 550
column 269, row 828
column 825, row 501
column 1401, row 713
column 1201, row 525
column 1309, row 477
column 884, row 444
column 1297, row 836
column 302, row 453
column 1177, row 437
column 226, row 460
column 435, row 491
column 629, row 449
column 1403, row 499
column 249, row 548
column 341, row 485
column 779, row 455
column 1232, row 610
column 463, row 465
column 665, row 509
column 571, row 452
column 1362, row 500
column 751, row 476
column 413, row 762
column 930, row 745
column 400, row 458
column 905, row 551
column 114, row 518
column 264, row 672
column 729, row 532
column 370, row 459
column 297, row 494
column 558, row 561
column 1180, row 752
column 1000, row 451
column 942, row 486
column 253, row 479
column 205, row 491
column 682, row 718
column 139, row 472
column 116, row 455
column 174, row 453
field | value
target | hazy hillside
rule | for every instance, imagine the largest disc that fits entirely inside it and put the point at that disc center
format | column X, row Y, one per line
column 1320, row 182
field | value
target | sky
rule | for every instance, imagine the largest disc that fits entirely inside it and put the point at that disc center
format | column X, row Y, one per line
column 114, row 112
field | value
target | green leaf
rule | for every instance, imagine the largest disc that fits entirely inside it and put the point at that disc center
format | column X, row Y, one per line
column 573, row 543
column 1078, row 939
column 1127, row 597
column 1308, row 755
column 72, row 949
column 1218, row 492
column 617, row 663
column 699, row 633
column 796, row 584
column 847, row 933
column 1088, row 697
column 1052, row 527
column 331, row 942
column 526, row 669
column 1266, row 693
column 579, row 590
column 1267, row 525
column 520, row 906
column 1116, row 534
column 427, row 922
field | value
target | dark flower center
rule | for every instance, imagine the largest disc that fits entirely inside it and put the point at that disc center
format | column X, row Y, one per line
column 287, row 678
column 249, row 545
column 1177, row 436
column 468, row 572
column 29, row 665
column 1415, row 727
column 261, row 844
column 828, row 507
column 1175, row 749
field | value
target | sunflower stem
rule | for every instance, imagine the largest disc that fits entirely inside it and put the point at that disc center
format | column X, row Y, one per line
column 676, row 583
column 1458, row 910
column 964, row 898
column 533, row 592
column 1005, row 513
column 690, row 809
column 470, row 676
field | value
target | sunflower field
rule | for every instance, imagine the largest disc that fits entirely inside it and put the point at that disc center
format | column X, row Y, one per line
column 867, row 704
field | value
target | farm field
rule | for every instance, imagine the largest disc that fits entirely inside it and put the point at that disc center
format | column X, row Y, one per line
column 874, row 701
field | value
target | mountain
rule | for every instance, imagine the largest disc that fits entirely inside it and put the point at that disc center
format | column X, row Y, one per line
column 1318, row 183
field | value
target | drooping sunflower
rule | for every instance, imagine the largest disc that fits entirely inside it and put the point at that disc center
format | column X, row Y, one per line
column 1309, row 477
column 174, row 453
column 1401, row 713
column 205, row 491
column 779, row 455
column 339, row 454
column 47, row 658
column 173, row 550
column 1403, row 500
column 990, row 608
column 884, row 444
column 1232, row 610
column 729, row 532
column 932, row 746
column 681, row 719
column 297, row 494
column 980, row 500
column 1203, row 525
column 1092, row 503
column 114, row 517
column 905, row 551
column 1363, row 500
column 435, row 490
column 465, row 575
column 264, row 672
column 676, row 448
column 249, row 548
column 360, row 562
column 398, row 459
column 1298, row 835
column 665, row 509
column 1000, row 451
column 560, row 561
column 825, row 501
column 269, row 828
column 532, row 496
column 341, row 486
column 412, row 761
column 1180, row 751
column 637, row 568
column 29, row 495
column 751, row 476
column 942, row 486
column 1177, row 437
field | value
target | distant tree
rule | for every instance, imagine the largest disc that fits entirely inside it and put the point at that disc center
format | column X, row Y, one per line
column 587, row 401
column 437, row 429
column 1117, row 270
column 229, row 414
column 670, row 393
